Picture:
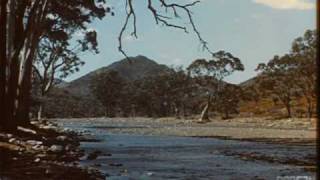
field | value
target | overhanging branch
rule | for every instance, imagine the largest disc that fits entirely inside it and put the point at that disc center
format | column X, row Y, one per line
column 159, row 18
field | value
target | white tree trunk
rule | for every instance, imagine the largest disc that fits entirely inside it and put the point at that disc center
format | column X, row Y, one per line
column 204, row 115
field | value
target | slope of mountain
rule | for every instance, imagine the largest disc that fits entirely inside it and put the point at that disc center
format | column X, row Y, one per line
column 136, row 68
column 249, row 82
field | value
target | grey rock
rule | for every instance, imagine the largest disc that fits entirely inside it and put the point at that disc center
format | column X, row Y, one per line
column 34, row 142
column 56, row 148
column 11, row 140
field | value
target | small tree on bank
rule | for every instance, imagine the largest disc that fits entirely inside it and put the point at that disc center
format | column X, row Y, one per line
column 277, row 80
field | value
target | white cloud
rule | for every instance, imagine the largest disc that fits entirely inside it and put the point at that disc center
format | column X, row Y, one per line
column 287, row 4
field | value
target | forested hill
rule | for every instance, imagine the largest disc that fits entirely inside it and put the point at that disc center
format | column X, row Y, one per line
column 135, row 68
column 75, row 98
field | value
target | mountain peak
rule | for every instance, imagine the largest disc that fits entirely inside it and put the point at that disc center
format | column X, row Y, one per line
column 141, row 57
column 138, row 59
column 136, row 68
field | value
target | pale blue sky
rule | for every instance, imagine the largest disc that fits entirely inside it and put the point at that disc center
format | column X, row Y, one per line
column 253, row 30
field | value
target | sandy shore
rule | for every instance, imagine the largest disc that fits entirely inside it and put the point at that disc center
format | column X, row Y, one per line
column 238, row 128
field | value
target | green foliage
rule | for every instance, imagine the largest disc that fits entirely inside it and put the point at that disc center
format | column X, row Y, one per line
column 163, row 94
column 228, row 100
column 210, row 75
column 292, row 75
column 63, row 104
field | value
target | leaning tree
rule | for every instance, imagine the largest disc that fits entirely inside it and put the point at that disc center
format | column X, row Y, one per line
column 210, row 75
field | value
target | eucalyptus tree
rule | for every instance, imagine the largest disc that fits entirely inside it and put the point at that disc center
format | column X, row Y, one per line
column 175, row 88
column 182, row 90
column 277, row 79
column 228, row 101
column 303, row 58
column 58, row 59
column 210, row 75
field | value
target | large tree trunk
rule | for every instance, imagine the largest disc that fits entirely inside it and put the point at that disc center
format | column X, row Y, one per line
column 3, row 63
column 18, row 40
column 11, row 96
column 9, row 73
column 24, row 101
column 25, row 87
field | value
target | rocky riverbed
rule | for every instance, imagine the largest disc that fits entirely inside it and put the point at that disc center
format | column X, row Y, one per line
column 42, row 151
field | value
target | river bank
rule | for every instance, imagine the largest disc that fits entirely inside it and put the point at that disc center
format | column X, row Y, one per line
column 42, row 151
column 257, row 129
column 159, row 149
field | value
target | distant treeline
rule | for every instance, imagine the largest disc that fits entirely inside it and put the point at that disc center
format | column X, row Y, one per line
column 285, row 86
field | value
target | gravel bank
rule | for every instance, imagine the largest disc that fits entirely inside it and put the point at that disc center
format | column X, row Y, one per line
column 238, row 128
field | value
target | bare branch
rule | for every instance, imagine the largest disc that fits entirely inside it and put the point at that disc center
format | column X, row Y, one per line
column 186, row 9
column 163, row 19
column 130, row 13
column 159, row 18
column 37, row 72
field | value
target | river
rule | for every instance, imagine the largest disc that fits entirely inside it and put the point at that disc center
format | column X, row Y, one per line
column 128, row 156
